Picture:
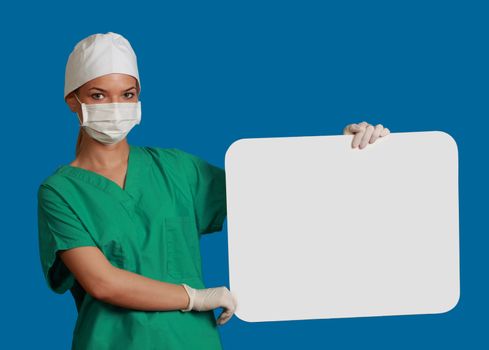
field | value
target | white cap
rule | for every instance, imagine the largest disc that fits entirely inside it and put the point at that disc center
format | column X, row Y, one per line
column 97, row 55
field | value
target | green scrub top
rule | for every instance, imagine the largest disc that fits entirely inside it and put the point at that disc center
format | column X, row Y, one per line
column 151, row 227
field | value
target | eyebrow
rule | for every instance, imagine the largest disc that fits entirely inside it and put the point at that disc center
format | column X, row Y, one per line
column 96, row 88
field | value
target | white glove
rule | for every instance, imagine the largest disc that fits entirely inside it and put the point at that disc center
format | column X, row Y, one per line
column 211, row 298
column 365, row 133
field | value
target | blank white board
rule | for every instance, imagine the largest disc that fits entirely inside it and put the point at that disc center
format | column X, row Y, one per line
column 317, row 229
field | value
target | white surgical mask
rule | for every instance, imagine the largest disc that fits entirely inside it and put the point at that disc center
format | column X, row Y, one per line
column 110, row 122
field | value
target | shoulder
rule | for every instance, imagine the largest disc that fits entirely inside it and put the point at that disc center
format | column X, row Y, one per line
column 49, row 192
column 168, row 156
column 50, row 201
column 182, row 163
column 51, row 186
column 160, row 152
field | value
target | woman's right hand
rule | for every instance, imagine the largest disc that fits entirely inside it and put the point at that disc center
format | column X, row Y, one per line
column 211, row 298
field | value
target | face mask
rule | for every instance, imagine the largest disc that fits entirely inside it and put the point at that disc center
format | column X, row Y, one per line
column 110, row 122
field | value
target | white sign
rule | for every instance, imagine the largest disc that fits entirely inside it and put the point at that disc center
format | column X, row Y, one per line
column 317, row 229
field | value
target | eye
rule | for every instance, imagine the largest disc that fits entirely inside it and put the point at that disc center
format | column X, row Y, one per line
column 96, row 94
column 130, row 93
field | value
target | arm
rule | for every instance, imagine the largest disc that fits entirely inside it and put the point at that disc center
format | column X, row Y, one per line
column 68, row 252
column 207, row 185
column 123, row 288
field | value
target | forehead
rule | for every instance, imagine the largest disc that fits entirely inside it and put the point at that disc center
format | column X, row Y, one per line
column 113, row 81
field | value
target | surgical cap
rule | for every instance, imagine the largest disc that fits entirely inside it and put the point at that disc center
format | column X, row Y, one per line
column 97, row 55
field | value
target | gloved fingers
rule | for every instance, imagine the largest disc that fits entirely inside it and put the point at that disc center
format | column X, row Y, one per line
column 357, row 138
column 376, row 134
column 363, row 124
column 361, row 127
column 366, row 136
column 365, row 133
column 225, row 316
column 350, row 129
column 385, row 132
column 355, row 127
column 229, row 304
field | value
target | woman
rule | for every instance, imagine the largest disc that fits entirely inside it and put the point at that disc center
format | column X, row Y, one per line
column 120, row 225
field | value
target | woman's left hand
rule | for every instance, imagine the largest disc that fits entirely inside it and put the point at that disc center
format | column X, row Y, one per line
column 365, row 133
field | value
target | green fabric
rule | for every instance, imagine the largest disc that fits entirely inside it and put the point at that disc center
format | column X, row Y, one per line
column 151, row 227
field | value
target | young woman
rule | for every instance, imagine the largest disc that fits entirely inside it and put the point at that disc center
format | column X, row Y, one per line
column 120, row 225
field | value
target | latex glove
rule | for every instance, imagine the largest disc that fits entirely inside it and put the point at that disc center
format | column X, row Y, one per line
column 365, row 133
column 211, row 298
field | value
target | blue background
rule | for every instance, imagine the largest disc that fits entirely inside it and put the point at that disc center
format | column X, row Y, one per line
column 214, row 72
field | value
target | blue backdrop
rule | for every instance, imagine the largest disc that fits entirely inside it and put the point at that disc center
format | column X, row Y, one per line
column 214, row 72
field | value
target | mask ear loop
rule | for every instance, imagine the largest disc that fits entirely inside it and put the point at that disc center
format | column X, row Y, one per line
column 80, row 127
column 81, row 105
column 77, row 98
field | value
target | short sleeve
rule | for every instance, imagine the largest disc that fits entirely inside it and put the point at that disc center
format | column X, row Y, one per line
column 208, row 188
column 59, row 228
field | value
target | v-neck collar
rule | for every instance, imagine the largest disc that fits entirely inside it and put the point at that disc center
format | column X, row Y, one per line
column 135, row 166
